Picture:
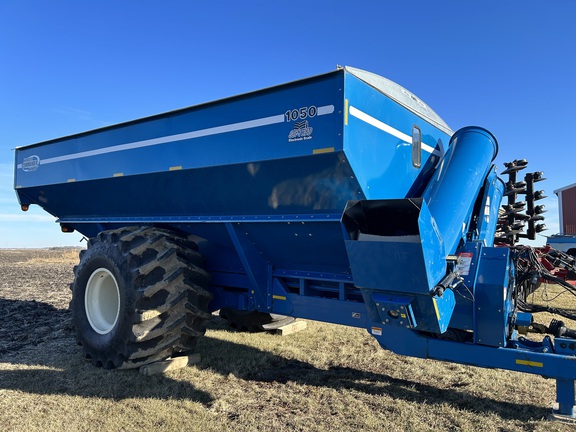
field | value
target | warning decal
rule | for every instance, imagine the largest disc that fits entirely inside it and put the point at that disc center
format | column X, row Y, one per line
column 463, row 267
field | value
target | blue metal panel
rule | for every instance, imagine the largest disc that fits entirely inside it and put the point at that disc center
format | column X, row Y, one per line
column 317, row 184
column 490, row 205
column 545, row 364
column 256, row 267
column 409, row 342
column 373, row 268
column 388, row 235
column 377, row 143
column 463, row 316
column 351, row 314
column 426, row 313
column 294, row 260
column 435, row 312
column 493, row 298
column 246, row 129
column 290, row 295
column 395, row 310
column 314, row 245
column 281, row 303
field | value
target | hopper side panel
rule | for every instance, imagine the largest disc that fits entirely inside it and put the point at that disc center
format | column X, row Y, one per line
column 378, row 143
column 297, row 119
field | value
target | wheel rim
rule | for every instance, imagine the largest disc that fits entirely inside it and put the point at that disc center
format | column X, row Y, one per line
column 102, row 301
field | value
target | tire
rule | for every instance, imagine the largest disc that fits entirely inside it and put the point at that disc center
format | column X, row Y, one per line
column 140, row 295
column 253, row 321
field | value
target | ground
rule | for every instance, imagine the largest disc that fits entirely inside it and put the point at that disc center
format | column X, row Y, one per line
column 33, row 303
column 324, row 378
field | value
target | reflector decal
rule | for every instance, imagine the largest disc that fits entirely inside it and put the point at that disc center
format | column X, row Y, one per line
column 529, row 363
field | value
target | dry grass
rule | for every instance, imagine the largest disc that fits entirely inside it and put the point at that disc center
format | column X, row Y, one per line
column 323, row 379
column 326, row 378
column 552, row 295
column 63, row 255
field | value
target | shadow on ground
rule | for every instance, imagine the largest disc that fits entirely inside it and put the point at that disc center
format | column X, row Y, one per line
column 39, row 354
column 54, row 365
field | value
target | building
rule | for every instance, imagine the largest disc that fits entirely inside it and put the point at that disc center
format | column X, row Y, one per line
column 567, row 209
column 566, row 239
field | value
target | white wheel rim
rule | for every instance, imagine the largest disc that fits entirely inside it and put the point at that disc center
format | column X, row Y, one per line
column 102, row 301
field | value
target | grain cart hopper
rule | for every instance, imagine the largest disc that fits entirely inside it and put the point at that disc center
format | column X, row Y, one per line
column 340, row 198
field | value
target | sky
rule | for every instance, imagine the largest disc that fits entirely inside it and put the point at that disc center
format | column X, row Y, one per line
column 69, row 66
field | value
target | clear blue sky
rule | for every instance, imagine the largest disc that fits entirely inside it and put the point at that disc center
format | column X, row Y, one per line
column 68, row 66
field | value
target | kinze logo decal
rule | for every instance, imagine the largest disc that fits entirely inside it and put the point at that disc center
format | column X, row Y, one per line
column 31, row 163
column 300, row 132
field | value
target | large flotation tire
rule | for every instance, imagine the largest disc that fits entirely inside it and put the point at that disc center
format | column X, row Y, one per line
column 140, row 295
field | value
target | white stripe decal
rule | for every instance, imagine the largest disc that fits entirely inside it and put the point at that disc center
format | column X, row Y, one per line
column 323, row 110
column 430, row 149
column 250, row 124
column 170, row 138
column 388, row 129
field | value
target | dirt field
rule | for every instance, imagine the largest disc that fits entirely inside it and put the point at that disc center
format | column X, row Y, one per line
column 326, row 378
column 33, row 298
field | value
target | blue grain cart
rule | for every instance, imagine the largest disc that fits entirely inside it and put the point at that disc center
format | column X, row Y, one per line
column 341, row 198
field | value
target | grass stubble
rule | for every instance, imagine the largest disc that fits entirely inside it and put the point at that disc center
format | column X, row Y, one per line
column 325, row 378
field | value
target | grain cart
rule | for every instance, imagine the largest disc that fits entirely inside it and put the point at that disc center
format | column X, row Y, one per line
column 340, row 198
